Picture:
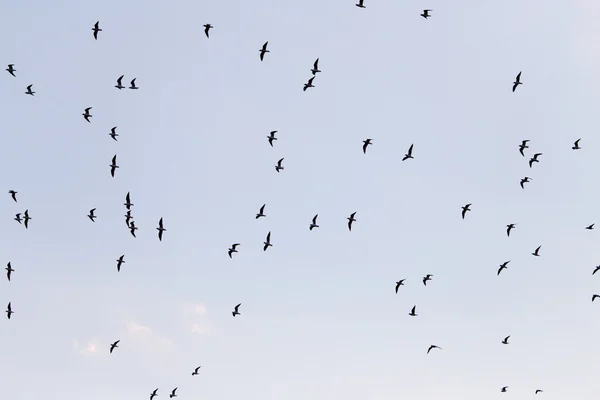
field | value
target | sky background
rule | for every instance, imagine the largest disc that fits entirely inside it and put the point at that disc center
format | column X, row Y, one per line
column 319, row 316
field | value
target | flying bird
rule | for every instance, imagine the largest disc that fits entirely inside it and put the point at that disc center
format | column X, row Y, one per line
column 128, row 202
column 595, row 296
column 426, row 14
column 413, row 312
column 113, row 166
column 576, row 145
column 207, row 28
column 160, row 229
column 433, row 346
column 524, row 181
column 173, row 394
column 236, row 310
column 595, row 270
column 132, row 228
column 91, row 215
column 113, row 134
column 96, row 29
column 114, row 346
column 232, row 249
column 538, row 391
column 29, row 91
column 279, row 167
column 315, row 69
column 536, row 252
column 505, row 341
column 509, row 227
column 26, row 218
column 133, row 84
column 9, row 311
column 465, row 209
column 360, row 4
column 426, row 278
column 195, row 371
column 409, row 154
column 120, row 261
column 534, row 159
column 154, row 394
column 261, row 212
column 365, row 144
column 13, row 194
column 309, row 84
column 399, row 283
column 272, row 137
column 128, row 217
column 517, row 82
column 523, row 146
column 314, row 223
column 503, row 266
column 351, row 219
column 9, row 271
column 505, row 387
column 87, row 115
column 267, row 243
column 119, row 85
column 11, row 69
column 264, row 50
column 590, row 227
column 18, row 218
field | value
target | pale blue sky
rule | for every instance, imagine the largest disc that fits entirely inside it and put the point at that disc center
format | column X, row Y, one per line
column 320, row 319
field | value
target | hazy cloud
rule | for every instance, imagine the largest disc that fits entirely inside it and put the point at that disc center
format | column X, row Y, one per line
column 89, row 348
column 195, row 318
column 147, row 338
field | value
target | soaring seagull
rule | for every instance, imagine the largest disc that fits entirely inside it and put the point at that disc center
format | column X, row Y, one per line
column 96, row 29
column 207, row 28
column 236, row 310
column 160, row 229
column 517, row 82
column 264, row 50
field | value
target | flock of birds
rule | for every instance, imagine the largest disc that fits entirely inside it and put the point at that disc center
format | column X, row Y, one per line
column 24, row 218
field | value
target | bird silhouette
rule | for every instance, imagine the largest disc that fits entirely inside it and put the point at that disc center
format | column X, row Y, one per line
column 314, row 223
column 267, row 242
column 120, row 261
column 264, row 50
column 517, row 82
column 537, row 251
column 505, row 341
column 315, row 69
column 503, row 266
column 433, row 346
column 509, row 227
column 11, row 69
column 87, row 115
column 351, row 219
column 96, row 29
column 160, row 229
column 272, row 137
column 426, row 14
column 207, row 28
column 399, row 283
column 9, row 271
column 91, row 215
column 408, row 154
column 576, row 145
column 261, row 212
column 114, row 346
column 195, row 371
column 366, row 143
column 13, row 194
column 236, row 310
column 465, row 209
column 232, row 249
column 119, row 85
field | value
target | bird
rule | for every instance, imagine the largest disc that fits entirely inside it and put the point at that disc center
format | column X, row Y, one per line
column 26, row 218
column 315, row 69
column 261, row 212
column 534, row 159
column 576, row 145
column 517, row 82
column 523, row 146
column 114, row 346
column 509, row 227
column 590, row 227
column 154, row 394
column 113, row 166
column 113, row 134
column 505, row 341
column 18, row 217
column 413, row 312
column 594, row 296
column 409, row 154
column 128, row 217
column 207, row 28
column 503, row 266
column 426, row 14
column 128, row 202
column 365, row 144
column 538, row 391
column 132, row 228
column 309, row 84
column 87, row 115
column 173, row 394
column 9, row 271
column 9, row 311
column 120, row 261
column 232, row 249
column 524, row 181
column 11, row 69
column 160, row 229
column 91, row 215
column 279, row 167
column 504, row 389
column 96, row 29
column 195, row 371
column 465, row 209
column 133, row 84
column 593, row 272
column 426, row 278
column 433, row 346
column 236, row 310
column 13, row 194
column 29, row 91
column 119, row 85
column 264, row 50
column 360, row 4
column 267, row 243
column 272, row 137
column 536, row 252
column 314, row 223
column 399, row 283
column 351, row 219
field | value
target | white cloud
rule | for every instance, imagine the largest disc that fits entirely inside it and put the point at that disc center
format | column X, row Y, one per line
column 195, row 318
column 90, row 348
column 147, row 338
column 201, row 329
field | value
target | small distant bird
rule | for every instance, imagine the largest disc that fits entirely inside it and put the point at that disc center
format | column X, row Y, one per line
column 315, row 69
column 232, row 249
column 154, row 394
column 536, row 252
column 132, row 228
column 91, row 215
column 399, row 283
column 534, row 159
column 505, row 341
column 133, row 84
column 113, row 134
column 503, row 266
column 595, row 296
column 360, row 4
column 18, row 217
column 26, row 218
column 207, row 28
column 128, row 217
column 576, row 145
column 409, row 154
column 120, row 261
column 272, row 137
column 465, row 209
column 195, row 371
column 595, row 270
column 351, row 219
column 235, row 310
column 426, row 278
column 590, row 227
column 87, row 115
column 509, row 227
column 413, row 312
column 365, row 144
column 309, row 84
column 96, row 29
column 524, row 181
column 426, row 14
column 523, row 146
column 29, row 91
column 160, row 229
column 314, row 223
column 505, row 387
column 267, row 243
column 114, row 346
column 9, row 271
column 538, row 391
column 433, row 346
column 13, row 194
column 517, row 82
column 279, row 167
column 113, row 166
column 9, row 311
column 128, row 202
column 261, row 212
column 119, row 85
column 11, row 70
column 173, row 394
column 264, row 50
